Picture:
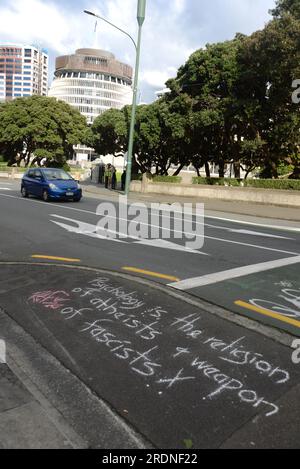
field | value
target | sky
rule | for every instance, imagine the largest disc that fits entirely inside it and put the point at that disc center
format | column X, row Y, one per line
column 173, row 29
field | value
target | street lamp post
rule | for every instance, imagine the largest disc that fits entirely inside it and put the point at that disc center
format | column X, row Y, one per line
column 141, row 12
column 140, row 18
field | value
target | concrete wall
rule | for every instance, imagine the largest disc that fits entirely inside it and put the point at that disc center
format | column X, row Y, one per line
column 14, row 175
column 233, row 194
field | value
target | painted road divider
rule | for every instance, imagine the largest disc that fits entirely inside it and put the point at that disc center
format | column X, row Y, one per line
column 268, row 313
column 54, row 258
column 149, row 273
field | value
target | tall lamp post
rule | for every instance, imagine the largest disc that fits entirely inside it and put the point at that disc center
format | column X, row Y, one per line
column 141, row 12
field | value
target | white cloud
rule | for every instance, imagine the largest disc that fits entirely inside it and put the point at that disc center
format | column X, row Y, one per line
column 158, row 78
column 172, row 30
column 28, row 21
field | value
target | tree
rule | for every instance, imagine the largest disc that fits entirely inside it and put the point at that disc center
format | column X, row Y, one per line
column 283, row 7
column 209, row 78
column 269, row 61
column 37, row 128
column 110, row 133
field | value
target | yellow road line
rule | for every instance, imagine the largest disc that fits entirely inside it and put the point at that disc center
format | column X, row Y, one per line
column 53, row 258
column 151, row 274
column 268, row 313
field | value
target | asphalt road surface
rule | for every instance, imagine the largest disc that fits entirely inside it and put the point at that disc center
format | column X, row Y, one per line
column 82, row 311
column 180, row 375
column 248, row 268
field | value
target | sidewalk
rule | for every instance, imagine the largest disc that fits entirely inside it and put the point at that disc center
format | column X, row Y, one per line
column 23, row 422
column 212, row 207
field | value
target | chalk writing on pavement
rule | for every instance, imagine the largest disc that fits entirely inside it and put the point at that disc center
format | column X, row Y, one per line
column 50, row 299
column 167, row 349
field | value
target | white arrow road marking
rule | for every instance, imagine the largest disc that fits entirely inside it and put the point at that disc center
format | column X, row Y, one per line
column 84, row 229
column 164, row 244
column 94, row 231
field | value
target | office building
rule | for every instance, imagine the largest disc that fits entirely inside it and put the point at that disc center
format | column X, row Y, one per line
column 92, row 81
column 23, row 71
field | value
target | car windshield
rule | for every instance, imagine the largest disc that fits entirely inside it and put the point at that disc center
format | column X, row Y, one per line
column 55, row 175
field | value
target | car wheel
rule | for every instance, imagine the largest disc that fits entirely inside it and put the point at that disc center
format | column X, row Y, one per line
column 45, row 196
column 24, row 192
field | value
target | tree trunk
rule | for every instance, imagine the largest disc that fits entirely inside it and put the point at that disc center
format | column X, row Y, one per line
column 207, row 170
column 237, row 170
column 222, row 169
column 179, row 169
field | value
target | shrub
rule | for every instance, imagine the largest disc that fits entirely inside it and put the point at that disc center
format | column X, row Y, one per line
column 136, row 177
column 168, row 179
column 282, row 184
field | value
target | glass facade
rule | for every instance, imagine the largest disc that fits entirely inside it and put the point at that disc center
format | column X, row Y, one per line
column 23, row 71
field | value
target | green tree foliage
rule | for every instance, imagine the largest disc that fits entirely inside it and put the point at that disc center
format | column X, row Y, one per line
column 35, row 128
column 109, row 133
column 284, row 7
column 269, row 62
column 231, row 102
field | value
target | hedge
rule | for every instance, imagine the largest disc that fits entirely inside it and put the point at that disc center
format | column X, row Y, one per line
column 136, row 177
column 169, row 179
column 283, row 184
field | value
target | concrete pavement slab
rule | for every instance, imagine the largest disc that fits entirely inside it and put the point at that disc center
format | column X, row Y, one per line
column 23, row 422
column 27, row 427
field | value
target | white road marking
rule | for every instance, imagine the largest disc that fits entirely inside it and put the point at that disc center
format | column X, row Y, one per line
column 258, row 233
column 93, row 231
column 5, row 189
column 261, row 225
column 247, row 232
column 83, row 229
column 164, row 244
column 255, row 246
column 218, row 277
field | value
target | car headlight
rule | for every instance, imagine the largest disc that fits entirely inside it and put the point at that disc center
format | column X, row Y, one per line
column 53, row 187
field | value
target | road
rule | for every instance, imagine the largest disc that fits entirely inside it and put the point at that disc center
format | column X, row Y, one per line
column 167, row 367
column 246, row 267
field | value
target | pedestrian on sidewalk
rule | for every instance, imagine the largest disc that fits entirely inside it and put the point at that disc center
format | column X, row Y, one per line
column 108, row 175
column 123, row 180
column 113, row 178
column 101, row 172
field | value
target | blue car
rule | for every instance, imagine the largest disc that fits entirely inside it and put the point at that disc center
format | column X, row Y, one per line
column 50, row 184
